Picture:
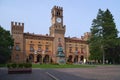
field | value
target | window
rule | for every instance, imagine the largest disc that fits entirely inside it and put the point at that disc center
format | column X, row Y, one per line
column 70, row 49
column 76, row 48
column 31, row 48
column 57, row 13
column 46, row 48
column 39, row 49
column 17, row 48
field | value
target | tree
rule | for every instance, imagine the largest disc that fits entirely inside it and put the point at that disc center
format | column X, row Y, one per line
column 96, row 39
column 103, row 37
column 6, row 44
column 110, row 35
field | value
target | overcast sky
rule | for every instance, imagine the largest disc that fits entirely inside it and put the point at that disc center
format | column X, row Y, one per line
column 36, row 14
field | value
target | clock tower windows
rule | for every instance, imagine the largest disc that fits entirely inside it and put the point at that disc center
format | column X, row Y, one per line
column 57, row 15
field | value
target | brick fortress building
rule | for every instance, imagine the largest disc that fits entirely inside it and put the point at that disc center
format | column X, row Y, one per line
column 43, row 48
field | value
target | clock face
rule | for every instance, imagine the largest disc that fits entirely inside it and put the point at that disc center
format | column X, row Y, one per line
column 58, row 20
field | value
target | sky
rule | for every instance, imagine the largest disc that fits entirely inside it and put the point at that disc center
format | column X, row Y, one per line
column 36, row 14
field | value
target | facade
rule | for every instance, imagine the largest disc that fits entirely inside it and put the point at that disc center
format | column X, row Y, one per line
column 44, row 48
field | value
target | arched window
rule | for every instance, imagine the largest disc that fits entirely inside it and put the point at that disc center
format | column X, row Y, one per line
column 57, row 13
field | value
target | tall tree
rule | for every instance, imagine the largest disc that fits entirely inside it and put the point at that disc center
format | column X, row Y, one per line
column 6, row 44
column 96, row 39
column 110, row 35
column 103, row 36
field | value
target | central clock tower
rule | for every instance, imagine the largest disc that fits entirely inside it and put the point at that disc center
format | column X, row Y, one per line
column 57, row 29
column 57, row 15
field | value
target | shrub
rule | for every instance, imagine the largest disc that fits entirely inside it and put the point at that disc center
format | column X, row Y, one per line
column 20, row 65
column 8, row 65
column 14, row 65
column 27, row 65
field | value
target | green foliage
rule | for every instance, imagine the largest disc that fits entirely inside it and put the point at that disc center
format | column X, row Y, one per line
column 3, row 65
column 96, row 37
column 20, row 65
column 27, row 65
column 9, row 65
column 103, row 36
column 14, row 65
column 6, row 44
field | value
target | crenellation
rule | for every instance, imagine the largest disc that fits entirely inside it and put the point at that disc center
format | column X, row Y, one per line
column 22, row 24
column 15, row 23
column 19, row 24
column 12, row 23
column 57, row 7
column 17, row 27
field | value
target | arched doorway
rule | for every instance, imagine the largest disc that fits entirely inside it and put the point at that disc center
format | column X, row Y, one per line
column 70, row 58
column 46, row 59
column 82, row 58
column 76, row 59
column 39, row 58
column 31, row 58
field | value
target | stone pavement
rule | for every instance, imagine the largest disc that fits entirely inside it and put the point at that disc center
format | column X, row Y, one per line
column 37, row 74
column 98, row 73
column 110, row 72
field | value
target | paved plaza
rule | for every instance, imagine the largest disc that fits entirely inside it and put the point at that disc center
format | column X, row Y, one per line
column 98, row 73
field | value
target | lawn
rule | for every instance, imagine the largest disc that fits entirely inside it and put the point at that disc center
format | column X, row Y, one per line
column 62, row 66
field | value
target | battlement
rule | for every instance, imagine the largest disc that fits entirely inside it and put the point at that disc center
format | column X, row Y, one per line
column 17, row 27
column 17, row 24
column 58, row 7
